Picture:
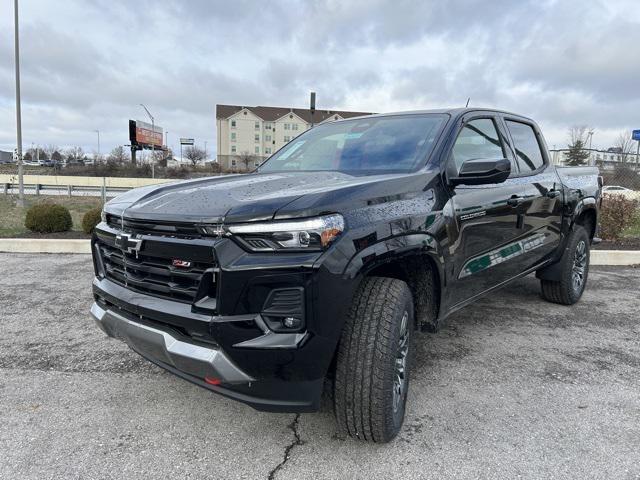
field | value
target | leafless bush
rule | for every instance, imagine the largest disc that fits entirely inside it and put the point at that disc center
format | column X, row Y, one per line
column 616, row 215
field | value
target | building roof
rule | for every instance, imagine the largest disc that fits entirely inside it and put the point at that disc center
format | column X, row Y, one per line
column 270, row 114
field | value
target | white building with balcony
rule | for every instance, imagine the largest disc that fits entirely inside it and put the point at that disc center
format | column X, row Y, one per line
column 246, row 136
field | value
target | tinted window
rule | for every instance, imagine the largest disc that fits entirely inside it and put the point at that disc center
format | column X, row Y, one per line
column 375, row 144
column 477, row 139
column 527, row 147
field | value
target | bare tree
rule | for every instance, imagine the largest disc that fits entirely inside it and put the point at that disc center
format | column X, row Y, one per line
column 56, row 156
column 163, row 156
column 118, row 155
column 624, row 143
column 194, row 154
column 32, row 154
column 578, row 154
column 37, row 154
column 245, row 159
column 50, row 150
column 578, row 133
column 75, row 154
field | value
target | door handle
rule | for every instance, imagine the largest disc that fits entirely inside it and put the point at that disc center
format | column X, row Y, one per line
column 514, row 201
column 553, row 193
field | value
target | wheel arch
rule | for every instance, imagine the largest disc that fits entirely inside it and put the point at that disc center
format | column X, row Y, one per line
column 553, row 272
column 586, row 215
column 414, row 259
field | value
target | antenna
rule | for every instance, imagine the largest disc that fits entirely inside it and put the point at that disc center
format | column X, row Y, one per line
column 468, row 100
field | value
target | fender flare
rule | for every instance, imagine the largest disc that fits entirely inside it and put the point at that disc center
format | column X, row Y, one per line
column 582, row 206
column 552, row 271
column 390, row 248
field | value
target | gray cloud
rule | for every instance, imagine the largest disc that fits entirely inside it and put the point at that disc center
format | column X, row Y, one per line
column 88, row 64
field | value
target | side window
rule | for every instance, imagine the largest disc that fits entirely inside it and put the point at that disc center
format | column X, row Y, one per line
column 527, row 147
column 477, row 139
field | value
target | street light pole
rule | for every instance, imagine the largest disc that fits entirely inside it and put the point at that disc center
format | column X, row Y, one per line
column 153, row 145
column 18, row 111
column 98, row 132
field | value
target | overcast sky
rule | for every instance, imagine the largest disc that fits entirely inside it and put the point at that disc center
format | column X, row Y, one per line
column 87, row 64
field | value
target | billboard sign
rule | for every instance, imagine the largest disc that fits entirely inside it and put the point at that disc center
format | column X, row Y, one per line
column 144, row 134
column 635, row 135
column 186, row 141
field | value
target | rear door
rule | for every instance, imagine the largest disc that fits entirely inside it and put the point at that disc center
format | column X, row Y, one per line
column 483, row 236
column 542, row 191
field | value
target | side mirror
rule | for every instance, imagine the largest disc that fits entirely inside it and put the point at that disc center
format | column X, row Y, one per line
column 482, row 171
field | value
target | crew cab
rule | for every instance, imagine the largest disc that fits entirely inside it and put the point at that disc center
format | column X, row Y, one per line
column 315, row 270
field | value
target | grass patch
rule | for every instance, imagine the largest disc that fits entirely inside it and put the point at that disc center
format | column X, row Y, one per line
column 633, row 230
column 12, row 217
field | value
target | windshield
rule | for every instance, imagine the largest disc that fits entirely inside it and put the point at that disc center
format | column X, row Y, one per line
column 366, row 145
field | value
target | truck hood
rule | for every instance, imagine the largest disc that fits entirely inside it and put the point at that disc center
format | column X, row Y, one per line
column 253, row 197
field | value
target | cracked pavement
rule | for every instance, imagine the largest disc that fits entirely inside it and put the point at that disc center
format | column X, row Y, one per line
column 510, row 387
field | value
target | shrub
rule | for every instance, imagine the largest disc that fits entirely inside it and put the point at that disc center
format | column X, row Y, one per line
column 47, row 218
column 178, row 172
column 617, row 213
column 90, row 220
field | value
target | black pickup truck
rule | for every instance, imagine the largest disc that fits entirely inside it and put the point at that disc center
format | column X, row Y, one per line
column 317, row 268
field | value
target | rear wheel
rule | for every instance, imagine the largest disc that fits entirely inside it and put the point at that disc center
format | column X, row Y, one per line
column 574, row 270
column 372, row 370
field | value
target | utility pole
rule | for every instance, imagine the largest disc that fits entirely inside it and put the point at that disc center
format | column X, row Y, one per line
column 312, row 106
column 590, row 134
column 166, row 146
column 153, row 145
column 98, row 132
column 18, row 112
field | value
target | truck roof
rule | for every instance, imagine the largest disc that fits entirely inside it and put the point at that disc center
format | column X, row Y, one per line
column 454, row 112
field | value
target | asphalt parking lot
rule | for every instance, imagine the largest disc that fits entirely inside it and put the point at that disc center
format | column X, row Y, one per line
column 511, row 387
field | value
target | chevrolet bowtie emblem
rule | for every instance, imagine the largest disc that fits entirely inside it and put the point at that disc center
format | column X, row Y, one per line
column 127, row 243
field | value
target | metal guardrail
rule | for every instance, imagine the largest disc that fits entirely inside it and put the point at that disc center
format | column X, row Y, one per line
column 104, row 191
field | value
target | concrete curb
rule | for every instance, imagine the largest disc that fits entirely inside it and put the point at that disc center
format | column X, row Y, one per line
column 615, row 257
column 55, row 245
column 44, row 245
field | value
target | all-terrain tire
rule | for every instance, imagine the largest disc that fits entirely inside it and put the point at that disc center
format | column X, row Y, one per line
column 568, row 289
column 375, row 346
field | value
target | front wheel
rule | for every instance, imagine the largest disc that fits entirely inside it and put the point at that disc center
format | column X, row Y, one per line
column 372, row 370
column 574, row 270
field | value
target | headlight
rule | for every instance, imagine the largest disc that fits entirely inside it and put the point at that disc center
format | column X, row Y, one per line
column 310, row 234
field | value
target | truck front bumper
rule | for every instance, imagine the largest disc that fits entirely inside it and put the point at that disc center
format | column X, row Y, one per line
column 204, row 364
column 161, row 347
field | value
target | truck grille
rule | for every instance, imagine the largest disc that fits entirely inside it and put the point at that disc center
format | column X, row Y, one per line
column 156, row 275
column 157, row 228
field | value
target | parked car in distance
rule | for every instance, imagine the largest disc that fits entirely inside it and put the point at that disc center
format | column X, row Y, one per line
column 618, row 190
column 323, row 262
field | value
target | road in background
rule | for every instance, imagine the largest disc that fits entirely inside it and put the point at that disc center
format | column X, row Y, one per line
column 510, row 387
